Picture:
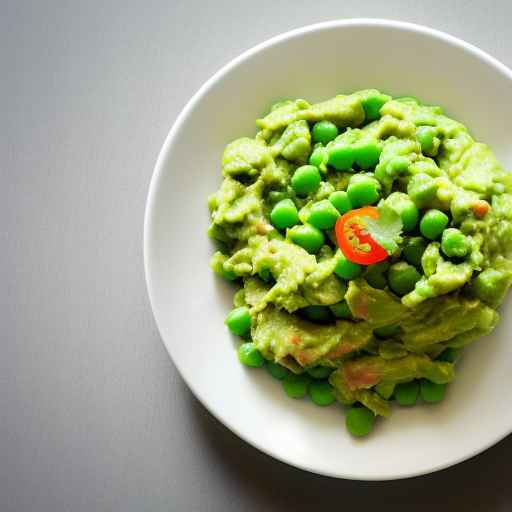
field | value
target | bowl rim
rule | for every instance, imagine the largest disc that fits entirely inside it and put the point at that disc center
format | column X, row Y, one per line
column 159, row 170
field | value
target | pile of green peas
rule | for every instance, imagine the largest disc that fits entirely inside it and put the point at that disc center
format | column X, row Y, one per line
column 363, row 189
column 401, row 276
column 313, row 381
column 407, row 394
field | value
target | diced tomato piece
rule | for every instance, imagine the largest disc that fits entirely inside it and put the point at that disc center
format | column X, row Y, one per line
column 481, row 208
column 355, row 242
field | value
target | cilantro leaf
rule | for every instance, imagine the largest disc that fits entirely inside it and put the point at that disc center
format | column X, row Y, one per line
column 386, row 229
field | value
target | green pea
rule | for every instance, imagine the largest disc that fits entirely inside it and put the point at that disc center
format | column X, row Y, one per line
column 450, row 355
column 323, row 215
column 382, row 266
column 308, row 237
column 427, row 137
column 276, row 370
column 306, row 180
column 413, row 250
column 375, row 277
column 320, row 372
column 431, row 392
column 376, row 280
column 363, row 190
column 296, row 386
column 239, row 321
column 454, row 243
column 366, row 154
column 284, row 214
column 319, row 157
column 265, row 274
column 387, row 331
column 402, row 278
column 341, row 310
column 359, row 421
column 341, row 157
column 372, row 106
column 433, row 223
column 321, row 393
column 340, row 201
column 324, row 132
column 403, row 206
column 321, row 314
column 491, row 286
column 249, row 355
column 347, row 269
column 406, row 394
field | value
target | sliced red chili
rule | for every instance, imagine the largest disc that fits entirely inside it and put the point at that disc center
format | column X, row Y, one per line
column 355, row 241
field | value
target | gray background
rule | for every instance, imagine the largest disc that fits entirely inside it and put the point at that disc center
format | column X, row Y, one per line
column 93, row 415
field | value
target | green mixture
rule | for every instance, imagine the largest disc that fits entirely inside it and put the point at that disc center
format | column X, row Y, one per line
column 372, row 241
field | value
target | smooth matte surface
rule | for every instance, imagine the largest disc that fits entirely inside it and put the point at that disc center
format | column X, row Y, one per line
column 94, row 416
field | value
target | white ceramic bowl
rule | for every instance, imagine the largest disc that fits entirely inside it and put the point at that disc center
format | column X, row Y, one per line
column 190, row 303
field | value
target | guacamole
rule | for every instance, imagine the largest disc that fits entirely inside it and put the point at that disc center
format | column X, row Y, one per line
column 371, row 241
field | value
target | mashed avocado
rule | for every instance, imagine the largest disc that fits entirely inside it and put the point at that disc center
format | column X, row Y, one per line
column 436, row 251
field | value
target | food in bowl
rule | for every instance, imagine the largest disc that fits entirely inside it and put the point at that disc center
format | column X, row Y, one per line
column 372, row 240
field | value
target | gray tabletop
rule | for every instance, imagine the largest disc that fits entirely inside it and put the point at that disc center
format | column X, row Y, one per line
column 93, row 415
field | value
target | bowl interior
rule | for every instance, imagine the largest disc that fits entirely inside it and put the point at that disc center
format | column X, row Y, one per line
column 190, row 304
